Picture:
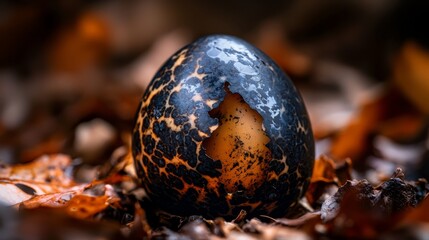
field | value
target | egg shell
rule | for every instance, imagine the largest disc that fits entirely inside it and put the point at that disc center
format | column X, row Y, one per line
column 173, row 120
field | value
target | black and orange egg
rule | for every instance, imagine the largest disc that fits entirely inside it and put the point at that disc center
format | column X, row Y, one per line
column 222, row 129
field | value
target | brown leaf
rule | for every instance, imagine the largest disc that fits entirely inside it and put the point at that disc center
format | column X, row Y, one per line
column 48, row 169
column 404, row 127
column 391, row 114
column 410, row 73
column 359, row 209
column 297, row 221
column 30, row 181
column 324, row 170
column 11, row 194
column 330, row 171
column 54, row 200
column 353, row 141
column 327, row 173
column 84, row 206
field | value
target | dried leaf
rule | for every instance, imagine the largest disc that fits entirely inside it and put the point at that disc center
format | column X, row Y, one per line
column 54, row 200
column 403, row 127
column 359, row 209
column 48, row 169
column 410, row 73
column 327, row 173
column 83, row 206
column 353, row 141
column 11, row 194
column 297, row 221
column 45, row 175
column 388, row 115
column 324, row 170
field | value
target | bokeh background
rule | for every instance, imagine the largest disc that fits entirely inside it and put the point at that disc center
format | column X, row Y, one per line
column 72, row 72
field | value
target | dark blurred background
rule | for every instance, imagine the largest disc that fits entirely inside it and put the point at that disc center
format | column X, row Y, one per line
column 72, row 72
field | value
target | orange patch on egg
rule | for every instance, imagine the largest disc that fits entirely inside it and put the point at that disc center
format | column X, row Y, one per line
column 239, row 143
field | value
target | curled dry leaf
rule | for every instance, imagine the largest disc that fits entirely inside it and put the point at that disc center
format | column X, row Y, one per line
column 48, row 182
column 82, row 202
column 360, row 191
column 391, row 114
column 83, row 206
column 324, row 170
column 359, row 209
column 11, row 193
column 15, row 191
column 330, row 171
column 54, row 200
column 327, row 173
column 50, row 169
column 46, row 175
column 297, row 221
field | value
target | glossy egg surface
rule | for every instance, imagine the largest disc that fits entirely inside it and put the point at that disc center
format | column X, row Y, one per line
column 222, row 129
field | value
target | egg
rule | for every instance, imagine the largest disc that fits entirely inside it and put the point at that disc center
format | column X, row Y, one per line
column 222, row 129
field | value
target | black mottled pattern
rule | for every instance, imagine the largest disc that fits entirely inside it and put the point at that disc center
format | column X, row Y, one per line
column 173, row 120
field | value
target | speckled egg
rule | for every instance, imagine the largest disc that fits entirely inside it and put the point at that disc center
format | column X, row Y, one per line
column 222, row 129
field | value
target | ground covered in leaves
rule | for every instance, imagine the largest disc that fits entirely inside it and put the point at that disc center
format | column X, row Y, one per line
column 69, row 95
column 47, row 200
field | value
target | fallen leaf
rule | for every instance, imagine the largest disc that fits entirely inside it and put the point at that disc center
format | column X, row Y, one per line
column 83, row 206
column 295, row 222
column 327, row 173
column 53, row 200
column 324, row 170
column 45, row 175
column 360, row 210
column 10, row 194
column 391, row 114
column 47, row 169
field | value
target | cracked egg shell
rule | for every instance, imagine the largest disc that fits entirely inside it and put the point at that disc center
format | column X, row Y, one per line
column 221, row 129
